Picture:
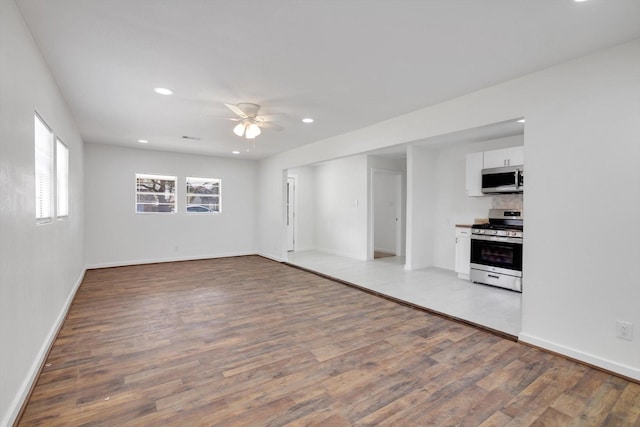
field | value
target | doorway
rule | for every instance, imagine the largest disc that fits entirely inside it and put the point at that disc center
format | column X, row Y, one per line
column 387, row 214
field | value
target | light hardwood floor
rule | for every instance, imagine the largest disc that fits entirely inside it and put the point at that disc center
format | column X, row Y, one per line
column 251, row 342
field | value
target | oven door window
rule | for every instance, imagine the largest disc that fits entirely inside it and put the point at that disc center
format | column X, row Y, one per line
column 497, row 254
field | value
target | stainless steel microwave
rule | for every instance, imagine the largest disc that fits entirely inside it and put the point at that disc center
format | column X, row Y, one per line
column 508, row 179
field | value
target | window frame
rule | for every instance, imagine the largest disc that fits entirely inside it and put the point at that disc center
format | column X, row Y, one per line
column 215, row 181
column 44, row 173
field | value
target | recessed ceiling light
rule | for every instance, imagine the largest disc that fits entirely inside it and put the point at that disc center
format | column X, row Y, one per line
column 521, row 121
column 307, row 120
column 579, row 1
column 162, row 91
column 143, row 141
column 235, row 152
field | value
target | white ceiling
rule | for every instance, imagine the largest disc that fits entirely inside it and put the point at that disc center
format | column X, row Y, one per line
column 347, row 63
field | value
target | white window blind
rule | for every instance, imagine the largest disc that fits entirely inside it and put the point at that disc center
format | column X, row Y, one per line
column 62, row 179
column 155, row 193
column 203, row 195
column 44, row 170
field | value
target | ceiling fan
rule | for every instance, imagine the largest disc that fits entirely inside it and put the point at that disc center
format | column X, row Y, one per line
column 249, row 121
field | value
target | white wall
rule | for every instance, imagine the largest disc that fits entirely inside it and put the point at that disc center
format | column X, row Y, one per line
column 581, row 254
column 451, row 204
column 341, row 206
column 40, row 265
column 305, row 207
column 581, row 149
column 421, row 188
column 117, row 235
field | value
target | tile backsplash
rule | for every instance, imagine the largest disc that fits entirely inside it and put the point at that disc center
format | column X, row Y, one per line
column 507, row 201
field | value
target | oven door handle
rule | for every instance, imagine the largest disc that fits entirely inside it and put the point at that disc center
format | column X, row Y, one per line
column 501, row 239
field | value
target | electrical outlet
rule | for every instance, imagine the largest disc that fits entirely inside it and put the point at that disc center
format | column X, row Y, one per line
column 624, row 330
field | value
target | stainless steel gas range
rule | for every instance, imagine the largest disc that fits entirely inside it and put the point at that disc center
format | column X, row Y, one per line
column 496, row 250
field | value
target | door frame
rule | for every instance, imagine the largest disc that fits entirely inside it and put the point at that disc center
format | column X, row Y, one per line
column 290, row 205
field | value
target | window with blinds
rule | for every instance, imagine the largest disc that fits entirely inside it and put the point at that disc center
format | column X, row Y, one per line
column 43, row 170
column 155, row 193
column 203, row 195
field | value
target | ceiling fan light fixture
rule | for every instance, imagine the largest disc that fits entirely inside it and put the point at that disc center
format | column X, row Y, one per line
column 239, row 129
column 253, row 130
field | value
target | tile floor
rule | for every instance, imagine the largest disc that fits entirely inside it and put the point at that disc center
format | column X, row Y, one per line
column 432, row 288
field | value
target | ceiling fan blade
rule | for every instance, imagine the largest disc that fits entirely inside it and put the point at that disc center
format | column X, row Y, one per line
column 269, row 117
column 268, row 125
column 237, row 110
column 233, row 119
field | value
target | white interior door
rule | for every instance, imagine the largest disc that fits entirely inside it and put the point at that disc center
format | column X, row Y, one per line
column 291, row 194
column 387, row 212
column 398, row 214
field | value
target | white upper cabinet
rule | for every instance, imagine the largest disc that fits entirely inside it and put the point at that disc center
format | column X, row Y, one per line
column 474, row 174
column 512, row 156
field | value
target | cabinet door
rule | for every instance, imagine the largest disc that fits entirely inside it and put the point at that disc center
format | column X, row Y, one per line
column 463, row 252
column 496, row 158
column 516, row 156
column 473, row 183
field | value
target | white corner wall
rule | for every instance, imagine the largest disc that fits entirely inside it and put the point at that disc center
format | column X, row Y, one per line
column 581, row 149
column 421, row 190
column 581, row 270
column 40, row 265
column 117, row 235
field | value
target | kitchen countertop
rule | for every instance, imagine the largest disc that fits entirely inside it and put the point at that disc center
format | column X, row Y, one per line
column 463, row 225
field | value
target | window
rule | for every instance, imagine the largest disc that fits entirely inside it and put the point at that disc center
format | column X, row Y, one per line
column 62, row 179
column 44, row 170
column 203, row 195
column 155, row 193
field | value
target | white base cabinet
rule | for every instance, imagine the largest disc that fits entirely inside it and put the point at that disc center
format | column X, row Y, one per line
column 463, row 252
